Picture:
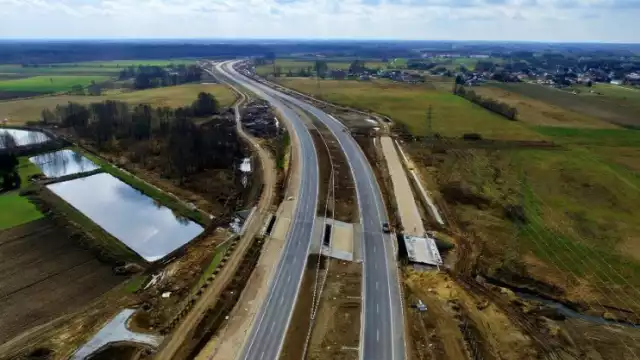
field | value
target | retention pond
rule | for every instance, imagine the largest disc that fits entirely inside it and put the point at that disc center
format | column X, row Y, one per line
column 62, row 163
column 144, row 225
column 22, row 137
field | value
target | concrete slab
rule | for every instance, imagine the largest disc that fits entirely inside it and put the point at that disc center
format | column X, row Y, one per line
column 283, row 220
column 422, row 250
column 342, row 240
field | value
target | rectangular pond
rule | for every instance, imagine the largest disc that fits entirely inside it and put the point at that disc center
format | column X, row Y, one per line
column 62, row 163
column 22, row 137
column 147, row 227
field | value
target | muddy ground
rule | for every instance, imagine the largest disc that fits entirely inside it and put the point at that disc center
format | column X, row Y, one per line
column 336, row 332
column 179, row 279
column 293, row 347
column 45, row 274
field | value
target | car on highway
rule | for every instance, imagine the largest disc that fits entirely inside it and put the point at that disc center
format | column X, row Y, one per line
column 385, row 228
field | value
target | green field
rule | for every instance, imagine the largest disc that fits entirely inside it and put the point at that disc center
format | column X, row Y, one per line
column 613, row 109
column 46, row 84
column 600, row 137
column 398, row 63
column 295, row 65
column 537, row 112
column 59, row 69
column 126, row 63
column 20, row 111
column 408, row 104
column 112, row 67
column 582, row 206
column 17, row 210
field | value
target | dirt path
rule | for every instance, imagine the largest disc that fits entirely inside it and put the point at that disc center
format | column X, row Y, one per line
column 409, row 213
column 208, row 299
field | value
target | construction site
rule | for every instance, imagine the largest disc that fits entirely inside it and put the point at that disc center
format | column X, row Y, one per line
column 200, row 299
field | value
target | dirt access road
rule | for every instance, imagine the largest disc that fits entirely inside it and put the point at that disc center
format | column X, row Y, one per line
column 209, row 298
column 409, row 213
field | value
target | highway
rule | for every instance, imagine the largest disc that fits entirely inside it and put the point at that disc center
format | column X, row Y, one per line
column 382, row 335
column 267, row 335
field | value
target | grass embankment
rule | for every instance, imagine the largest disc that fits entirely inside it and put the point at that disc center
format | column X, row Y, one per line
column 135, row 283
column 147, row 189
column 48, row 84
column 282, row 162
column 21, row 111
column 407, row 104
column 217, row 258
column 15, row 209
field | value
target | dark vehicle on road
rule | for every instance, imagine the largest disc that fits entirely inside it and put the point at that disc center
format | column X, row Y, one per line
column 385, row 228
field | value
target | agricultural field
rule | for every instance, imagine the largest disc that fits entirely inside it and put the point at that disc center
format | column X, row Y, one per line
column 42, row 280
column 126, row 63
column 47, row 84
column 616, row 109
column 295, row 65
column 407, row 104
column 57, row 69
column 90, row 67
column 23, row 110
column 19, row 81
column 574, row 225
column 536, row 112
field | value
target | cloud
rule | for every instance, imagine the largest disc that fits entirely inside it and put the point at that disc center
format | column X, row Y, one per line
column 556, row 20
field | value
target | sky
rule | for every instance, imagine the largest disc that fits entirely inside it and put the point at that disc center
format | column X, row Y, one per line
column 523, row 20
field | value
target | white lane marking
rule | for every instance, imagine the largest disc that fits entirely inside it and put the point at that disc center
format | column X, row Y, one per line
column 377, row 309
column 262, row 355
column 377, row 335
column 374, row 248
column 375, row 265
column 272, row 325
column 289, row 279
column 376, row 285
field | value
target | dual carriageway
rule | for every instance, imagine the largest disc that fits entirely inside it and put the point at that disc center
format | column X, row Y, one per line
column 382, row 330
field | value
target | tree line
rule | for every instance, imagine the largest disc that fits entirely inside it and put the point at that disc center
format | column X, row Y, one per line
column 496, row 106
column 145, row 131
column 146, row 77
column 9, row 178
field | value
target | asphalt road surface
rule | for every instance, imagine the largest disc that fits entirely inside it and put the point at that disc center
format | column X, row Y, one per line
column 267, row 335
column 383, row 333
